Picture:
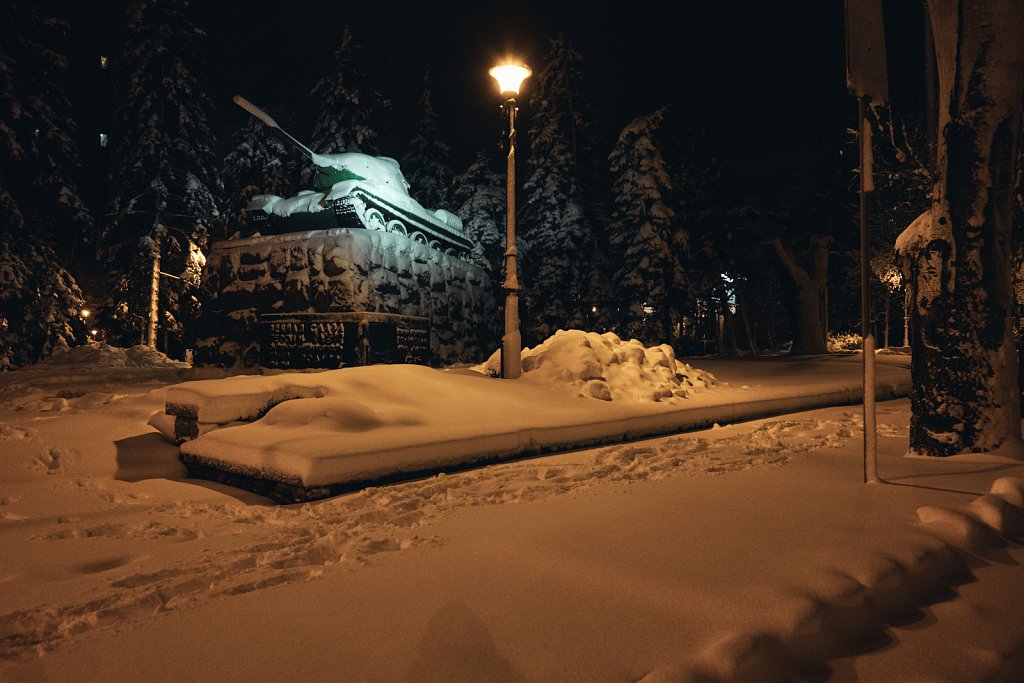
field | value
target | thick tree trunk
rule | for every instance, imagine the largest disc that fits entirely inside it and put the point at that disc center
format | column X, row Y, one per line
column 811, row 290
column 958, row 263
column 930, row 81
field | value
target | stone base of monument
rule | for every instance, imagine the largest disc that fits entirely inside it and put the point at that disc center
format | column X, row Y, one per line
column 342, row 297
column 287, row 492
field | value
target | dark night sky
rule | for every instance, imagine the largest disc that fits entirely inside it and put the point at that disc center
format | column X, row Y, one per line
column 762, row 78
column 757, row 75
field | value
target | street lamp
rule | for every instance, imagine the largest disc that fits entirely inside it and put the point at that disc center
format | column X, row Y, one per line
column 510, row 77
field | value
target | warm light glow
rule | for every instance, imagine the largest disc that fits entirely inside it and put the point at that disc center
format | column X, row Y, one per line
column 510, row 77
column 86, row 312
column 94, row 332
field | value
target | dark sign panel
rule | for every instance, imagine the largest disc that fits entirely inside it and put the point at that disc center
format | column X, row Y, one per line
column 334, row 340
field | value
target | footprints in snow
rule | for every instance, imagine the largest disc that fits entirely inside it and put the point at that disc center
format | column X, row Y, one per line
column 297, row 543
column 13, row 433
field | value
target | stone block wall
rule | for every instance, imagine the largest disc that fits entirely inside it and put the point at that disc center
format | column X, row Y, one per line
column 339, row 271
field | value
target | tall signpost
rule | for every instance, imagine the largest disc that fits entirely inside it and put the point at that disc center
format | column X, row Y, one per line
column 510, row 77
column 867, row 79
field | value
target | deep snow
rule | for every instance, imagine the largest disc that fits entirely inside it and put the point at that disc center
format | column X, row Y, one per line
column 744, row 552
column 577, row 389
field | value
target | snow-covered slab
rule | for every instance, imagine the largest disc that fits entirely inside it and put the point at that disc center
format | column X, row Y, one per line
column 240, row 398
column 362, row 424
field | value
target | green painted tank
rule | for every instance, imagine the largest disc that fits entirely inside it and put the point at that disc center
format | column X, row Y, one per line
column 353, row 190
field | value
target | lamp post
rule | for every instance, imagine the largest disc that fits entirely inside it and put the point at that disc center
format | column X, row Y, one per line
column 510, row 77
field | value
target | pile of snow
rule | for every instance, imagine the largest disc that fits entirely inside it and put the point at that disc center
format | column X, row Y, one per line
column 102, row 355
column 915, row 237
column 605, row 367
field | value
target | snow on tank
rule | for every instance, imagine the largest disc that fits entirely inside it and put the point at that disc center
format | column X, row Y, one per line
column 335, row 168
column 354, row 190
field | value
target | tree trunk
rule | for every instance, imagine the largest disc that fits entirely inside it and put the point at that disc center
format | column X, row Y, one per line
column 719, row 329
column 730, row 324
column 741, row 300
column 958, row 264
column 931, row 105
column 888, row 300
column 154, row 295
column 811, row 290
column 906, row 316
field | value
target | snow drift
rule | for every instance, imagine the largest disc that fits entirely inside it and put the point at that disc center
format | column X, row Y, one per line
column 605, row 367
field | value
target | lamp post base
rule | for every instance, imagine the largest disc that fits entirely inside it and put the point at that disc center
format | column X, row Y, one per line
column 511, row 341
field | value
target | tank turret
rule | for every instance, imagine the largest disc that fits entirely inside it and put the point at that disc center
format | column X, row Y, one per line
column 353, row 190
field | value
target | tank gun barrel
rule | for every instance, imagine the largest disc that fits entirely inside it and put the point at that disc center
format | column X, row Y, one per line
column 267, row 119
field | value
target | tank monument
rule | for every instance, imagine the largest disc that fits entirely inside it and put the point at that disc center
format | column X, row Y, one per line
column 352, row 272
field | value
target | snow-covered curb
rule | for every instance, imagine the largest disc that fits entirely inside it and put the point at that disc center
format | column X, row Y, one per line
column 853, row 612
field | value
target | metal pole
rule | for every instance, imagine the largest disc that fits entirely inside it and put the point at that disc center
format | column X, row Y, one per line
column 511, row 342
column 867, row 331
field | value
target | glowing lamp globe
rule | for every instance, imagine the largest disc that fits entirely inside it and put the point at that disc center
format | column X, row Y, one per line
column 510, row 77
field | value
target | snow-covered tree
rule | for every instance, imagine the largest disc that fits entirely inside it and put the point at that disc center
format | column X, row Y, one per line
column 40, row 302
column 41, row 209
column 425, row 164
column 559, row 263
column 903, row 182
column 40, row 156
column 165, row 187
column 650, row 279
column 885, row 268
column 350, row 109
column 479, row 195
column 957, row 257
column 260, row 163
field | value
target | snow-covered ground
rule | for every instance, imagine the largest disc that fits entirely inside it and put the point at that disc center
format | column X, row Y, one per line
column 749, row 551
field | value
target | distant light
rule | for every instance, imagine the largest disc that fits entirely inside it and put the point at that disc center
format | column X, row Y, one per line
column 94, row 332
column 103, row 61
column 593, row 309
column 103, row 139
column 86, row 312
column 510, row 77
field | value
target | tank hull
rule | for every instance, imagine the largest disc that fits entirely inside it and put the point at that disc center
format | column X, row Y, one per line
column 358, row 207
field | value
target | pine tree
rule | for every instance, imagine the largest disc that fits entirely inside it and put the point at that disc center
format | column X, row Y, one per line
column 40, row 301
column 559, row 261
column 350, row 109
column 650, row 281
column 425, row 163
column 41, row 158
column 479, row 194
column 166, row 191
column 260, row 163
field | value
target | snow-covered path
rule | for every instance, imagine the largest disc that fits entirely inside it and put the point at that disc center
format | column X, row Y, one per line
column 747, row 552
